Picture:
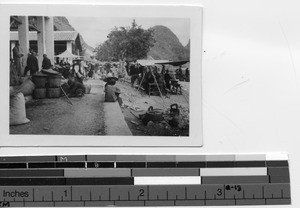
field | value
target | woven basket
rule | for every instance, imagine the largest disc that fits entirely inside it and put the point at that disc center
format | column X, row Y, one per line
column 39, row 81
column 54, row 81
column 39, row 93
column 53, row 92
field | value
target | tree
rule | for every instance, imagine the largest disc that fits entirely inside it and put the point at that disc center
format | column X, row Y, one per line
column 126, row 42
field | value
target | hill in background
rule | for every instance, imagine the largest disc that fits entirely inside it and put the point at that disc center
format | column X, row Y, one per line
column 62, row 24
column 166, row 47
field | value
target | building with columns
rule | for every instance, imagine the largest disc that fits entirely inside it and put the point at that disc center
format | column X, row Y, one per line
column 45, row 38
column 63, row 40
column 37, row 32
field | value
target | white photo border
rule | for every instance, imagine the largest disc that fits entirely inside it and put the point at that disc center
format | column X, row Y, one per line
column 193, row 12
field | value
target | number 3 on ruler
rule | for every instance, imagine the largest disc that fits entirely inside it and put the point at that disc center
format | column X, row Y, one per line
column 219, row 192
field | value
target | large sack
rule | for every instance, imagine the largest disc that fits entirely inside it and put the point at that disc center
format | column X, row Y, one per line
column 17, row 111
column 27, row 87
column 14, row 90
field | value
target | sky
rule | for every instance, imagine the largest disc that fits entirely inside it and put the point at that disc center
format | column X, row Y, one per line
column 95, row 30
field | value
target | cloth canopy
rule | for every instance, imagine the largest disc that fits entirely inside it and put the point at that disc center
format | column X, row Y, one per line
column 174, row 63
column 147, row 62
column 66, row 54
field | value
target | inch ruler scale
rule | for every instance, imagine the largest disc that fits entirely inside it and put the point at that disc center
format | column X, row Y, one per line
column 144, row 180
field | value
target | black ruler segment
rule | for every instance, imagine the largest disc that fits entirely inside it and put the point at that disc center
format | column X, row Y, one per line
column 41, row 165
column 131, row 165
column 100, row 181
column 191, row 164
column 100, row 164
column 70, row 165
column 161, row 164
column 215, row 164
column 55, row 165
column 59, row 181
column 12, row 165
column 278, row 163
column 249, row 164
column 32, row 181
column 234, row 179
column 144, row 180
column 31, row 173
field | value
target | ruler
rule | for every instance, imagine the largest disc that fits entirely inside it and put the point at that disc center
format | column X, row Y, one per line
column 144, row 180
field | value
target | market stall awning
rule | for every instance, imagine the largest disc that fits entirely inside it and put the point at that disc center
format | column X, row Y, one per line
column 66, row 54
column 174, row 63
column 147, row 62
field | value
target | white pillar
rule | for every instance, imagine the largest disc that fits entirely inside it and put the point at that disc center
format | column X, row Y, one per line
column 23, row 31
column 69, row 46
column 12, row 45
column 40, row 23
column 49, row 34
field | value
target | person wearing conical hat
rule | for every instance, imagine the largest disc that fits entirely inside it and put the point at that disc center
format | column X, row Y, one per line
column 112, row 92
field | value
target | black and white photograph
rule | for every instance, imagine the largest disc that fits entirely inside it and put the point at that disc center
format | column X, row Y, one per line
column 93, row 76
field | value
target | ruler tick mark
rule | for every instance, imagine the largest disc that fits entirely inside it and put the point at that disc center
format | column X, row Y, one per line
column 109, row 194
column 33, row 194
column 148, row 193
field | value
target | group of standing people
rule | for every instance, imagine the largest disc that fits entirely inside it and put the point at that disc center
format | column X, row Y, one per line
column 32, row 64
column 150, row 74
column 134, row 70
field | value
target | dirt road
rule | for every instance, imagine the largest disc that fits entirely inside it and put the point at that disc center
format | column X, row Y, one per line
column 134, row 98
column 58, row 117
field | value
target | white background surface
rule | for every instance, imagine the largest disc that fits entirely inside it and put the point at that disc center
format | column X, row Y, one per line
column 251, row 83
column 194, row 16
